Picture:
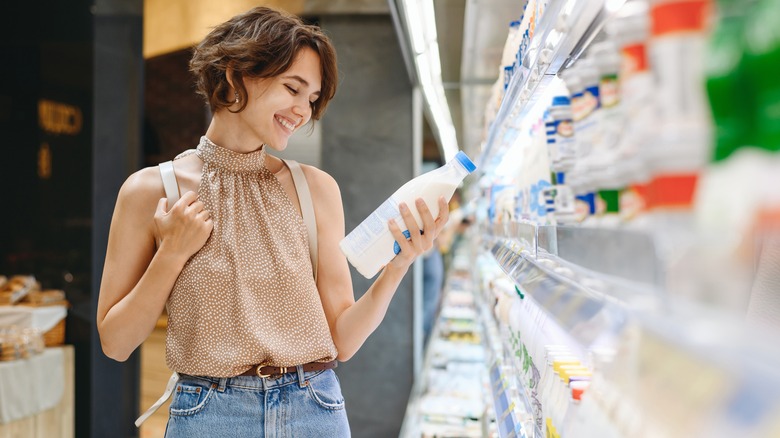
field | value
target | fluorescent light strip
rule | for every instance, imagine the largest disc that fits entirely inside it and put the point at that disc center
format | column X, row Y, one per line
column 414, row 25
column 429, row 18
column 421, row 25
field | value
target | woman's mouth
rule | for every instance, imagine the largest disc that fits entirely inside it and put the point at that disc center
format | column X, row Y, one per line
column 286, row 123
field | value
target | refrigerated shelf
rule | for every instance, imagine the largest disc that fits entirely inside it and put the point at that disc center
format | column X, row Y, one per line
column 562, row 34
column 686, row 369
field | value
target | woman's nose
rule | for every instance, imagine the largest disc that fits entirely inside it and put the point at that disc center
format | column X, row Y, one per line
column 302, row 110
column 302, row 107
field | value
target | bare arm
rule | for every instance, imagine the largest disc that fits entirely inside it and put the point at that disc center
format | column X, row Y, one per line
column 351, row 322
column 137, row 280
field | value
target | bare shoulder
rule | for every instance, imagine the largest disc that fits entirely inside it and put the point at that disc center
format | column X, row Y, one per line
column 137, row 202
column 142, row 186
column 326, row 196
column 321, row 184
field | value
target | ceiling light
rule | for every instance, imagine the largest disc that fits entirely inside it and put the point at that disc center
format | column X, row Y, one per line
column 421, row 27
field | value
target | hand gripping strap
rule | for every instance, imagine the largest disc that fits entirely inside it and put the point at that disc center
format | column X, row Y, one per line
column 169, row 183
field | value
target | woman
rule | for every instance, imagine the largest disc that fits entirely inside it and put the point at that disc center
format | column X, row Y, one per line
column 252, row 336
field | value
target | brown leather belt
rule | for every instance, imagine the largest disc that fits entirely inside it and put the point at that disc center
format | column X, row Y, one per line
column 274, row 372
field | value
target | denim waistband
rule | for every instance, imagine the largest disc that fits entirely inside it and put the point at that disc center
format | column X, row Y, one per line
column 259, row 383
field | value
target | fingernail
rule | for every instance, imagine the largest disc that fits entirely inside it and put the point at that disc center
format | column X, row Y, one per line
column 403, row 206
column 420, row 201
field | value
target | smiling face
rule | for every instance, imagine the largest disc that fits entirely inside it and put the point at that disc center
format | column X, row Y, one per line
column 280, row 105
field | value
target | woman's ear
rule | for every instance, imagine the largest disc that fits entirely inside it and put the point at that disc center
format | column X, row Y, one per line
column 229, row 77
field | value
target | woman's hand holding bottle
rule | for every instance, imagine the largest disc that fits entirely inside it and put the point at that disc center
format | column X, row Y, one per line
column 421, row 241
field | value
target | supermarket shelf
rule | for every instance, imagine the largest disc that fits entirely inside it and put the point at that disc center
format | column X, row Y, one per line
column 614, row 267
column 504, row 403
column 698, row 369
column 508, row 424
column 564, row 31
column 628, row 254
column 625, row 254
column 416, row 415
column 584, row 312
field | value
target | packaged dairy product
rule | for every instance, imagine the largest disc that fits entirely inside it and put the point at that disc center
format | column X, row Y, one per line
column 587, row 121
column 606, row 56
column 560, row 135
column 677, row 51
column 371, row 245
column 563, row 201
column 636, row 87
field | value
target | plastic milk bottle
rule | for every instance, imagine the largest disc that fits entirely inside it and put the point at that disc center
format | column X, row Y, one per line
column 370, row 246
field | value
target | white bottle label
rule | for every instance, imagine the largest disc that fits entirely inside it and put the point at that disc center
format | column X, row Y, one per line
column 372, row 227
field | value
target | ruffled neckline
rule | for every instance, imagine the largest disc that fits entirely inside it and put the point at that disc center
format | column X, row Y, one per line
column 225, row 159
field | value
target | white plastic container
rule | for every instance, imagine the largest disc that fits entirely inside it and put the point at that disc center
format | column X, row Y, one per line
column 370, row 246
column 581, row 145
column 677, row 50
column 508, row 55
column 560, row 135
column 605, row 160
column 638, row 121
column 587, row 120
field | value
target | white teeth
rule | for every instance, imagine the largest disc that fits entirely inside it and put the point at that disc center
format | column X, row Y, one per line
column 286, row 124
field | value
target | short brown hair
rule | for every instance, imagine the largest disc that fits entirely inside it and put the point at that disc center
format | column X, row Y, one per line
column 259, row 43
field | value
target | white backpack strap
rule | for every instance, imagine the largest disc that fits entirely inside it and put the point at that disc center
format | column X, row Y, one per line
column 169, row 183
column 166, row 395
column 307, row 209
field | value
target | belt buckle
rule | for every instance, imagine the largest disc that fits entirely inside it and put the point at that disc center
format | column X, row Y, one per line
column 260, row 374
column 282, row 371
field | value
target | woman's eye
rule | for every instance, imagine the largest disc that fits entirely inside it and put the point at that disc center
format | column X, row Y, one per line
column 292, row 90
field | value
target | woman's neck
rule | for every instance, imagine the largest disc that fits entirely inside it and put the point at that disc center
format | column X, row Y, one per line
column 228, row 131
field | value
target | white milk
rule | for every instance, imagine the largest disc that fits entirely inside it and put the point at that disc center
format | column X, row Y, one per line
column 370, row 246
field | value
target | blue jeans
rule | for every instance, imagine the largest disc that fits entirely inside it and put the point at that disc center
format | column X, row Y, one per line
column 296, row 405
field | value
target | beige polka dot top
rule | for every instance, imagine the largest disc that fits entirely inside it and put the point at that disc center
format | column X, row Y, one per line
column 248, row 296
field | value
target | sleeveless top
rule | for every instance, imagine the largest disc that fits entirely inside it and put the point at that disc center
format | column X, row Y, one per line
column 248, row 296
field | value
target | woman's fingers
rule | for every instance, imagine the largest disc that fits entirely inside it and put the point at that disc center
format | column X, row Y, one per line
column 428, row 224
column 186, row 225
column 415, row 241
column 411, row 224
column 188, row 204
column 197, row 207
column 186, row 199
column 444, row 214
column 204, row 215
column 209, row 225
column 400, row 238
column 162, row 207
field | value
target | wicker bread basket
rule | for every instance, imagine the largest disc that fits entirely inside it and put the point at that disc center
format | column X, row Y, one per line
column 55, row 336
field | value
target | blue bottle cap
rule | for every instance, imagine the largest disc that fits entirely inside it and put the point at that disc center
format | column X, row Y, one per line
column 560, row 177
column 561, row 100
column 465, row 161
